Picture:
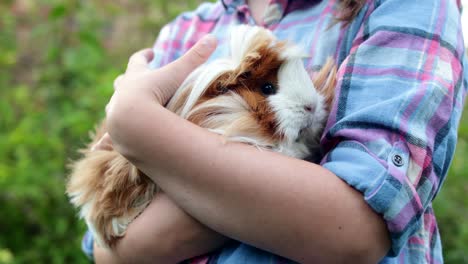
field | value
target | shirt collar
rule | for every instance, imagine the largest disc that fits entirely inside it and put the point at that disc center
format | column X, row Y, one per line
column 276, row 9
column 232, row 3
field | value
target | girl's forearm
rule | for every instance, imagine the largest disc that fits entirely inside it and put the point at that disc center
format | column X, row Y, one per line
column 163, row 233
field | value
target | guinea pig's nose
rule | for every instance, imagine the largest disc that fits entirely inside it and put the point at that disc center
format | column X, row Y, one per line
column 309, row 108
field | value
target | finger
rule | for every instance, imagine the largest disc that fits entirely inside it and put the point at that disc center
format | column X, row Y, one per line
column 196, row 56
column 110, row 104
column 118, row 81
column 105, row 143
column 139, row 61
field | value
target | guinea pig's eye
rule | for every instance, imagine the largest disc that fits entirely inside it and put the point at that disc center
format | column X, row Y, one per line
column 268, row 89
column 222, row 89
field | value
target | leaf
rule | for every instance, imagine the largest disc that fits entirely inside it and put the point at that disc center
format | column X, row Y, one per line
column 58, row 11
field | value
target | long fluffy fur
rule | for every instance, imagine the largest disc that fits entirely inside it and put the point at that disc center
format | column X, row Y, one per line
column 219, row 96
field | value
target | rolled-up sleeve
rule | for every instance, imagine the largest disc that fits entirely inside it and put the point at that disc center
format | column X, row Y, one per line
column 392, row 130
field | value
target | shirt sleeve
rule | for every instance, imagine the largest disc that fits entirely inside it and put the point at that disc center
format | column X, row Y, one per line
column 392, row 130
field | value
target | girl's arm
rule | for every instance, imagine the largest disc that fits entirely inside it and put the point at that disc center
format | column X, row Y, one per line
column 290, row 207
column 163, row 233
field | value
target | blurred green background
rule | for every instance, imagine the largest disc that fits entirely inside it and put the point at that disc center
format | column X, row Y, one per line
column 58, row 60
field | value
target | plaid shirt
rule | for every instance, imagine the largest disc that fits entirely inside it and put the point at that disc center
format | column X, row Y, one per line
column 392, row 130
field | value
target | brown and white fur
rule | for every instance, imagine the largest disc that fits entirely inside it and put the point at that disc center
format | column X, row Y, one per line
column 260, row 95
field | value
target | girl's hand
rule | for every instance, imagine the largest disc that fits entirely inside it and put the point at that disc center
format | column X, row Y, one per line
column 160, row 83
column 141, row 88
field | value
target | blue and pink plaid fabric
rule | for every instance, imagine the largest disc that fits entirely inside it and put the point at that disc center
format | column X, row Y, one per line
column 402, row 79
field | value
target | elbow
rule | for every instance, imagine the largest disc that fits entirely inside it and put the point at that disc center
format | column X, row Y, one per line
column 367, row 242
column 370, row 248
column 370, row 254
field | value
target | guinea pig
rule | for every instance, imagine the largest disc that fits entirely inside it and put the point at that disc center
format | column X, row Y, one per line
column 261, row 95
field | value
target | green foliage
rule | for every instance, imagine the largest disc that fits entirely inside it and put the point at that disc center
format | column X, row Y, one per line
column 58, row 60
column 451, row 205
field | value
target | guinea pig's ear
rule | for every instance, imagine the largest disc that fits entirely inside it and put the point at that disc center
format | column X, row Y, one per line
column 325, row 82
column 245, row 75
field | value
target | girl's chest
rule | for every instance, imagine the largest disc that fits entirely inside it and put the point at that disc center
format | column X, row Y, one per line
column 312, row 30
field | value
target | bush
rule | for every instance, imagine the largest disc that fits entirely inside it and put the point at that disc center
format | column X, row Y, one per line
column 451, row 205
column 58, row 61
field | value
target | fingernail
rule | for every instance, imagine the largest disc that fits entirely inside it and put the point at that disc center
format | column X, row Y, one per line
column 208, row 41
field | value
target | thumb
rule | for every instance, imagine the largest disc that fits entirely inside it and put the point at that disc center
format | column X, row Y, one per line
column 197, row 55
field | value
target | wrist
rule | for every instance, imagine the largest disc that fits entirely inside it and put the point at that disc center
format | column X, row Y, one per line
column 125, row 117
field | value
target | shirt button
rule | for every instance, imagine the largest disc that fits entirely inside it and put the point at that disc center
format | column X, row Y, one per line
column 398, row 160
